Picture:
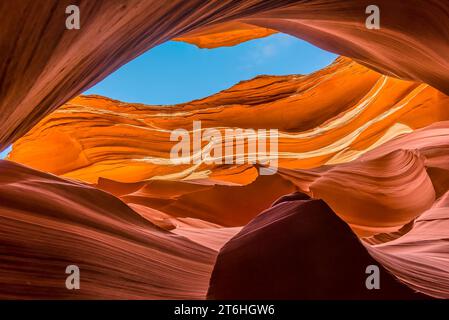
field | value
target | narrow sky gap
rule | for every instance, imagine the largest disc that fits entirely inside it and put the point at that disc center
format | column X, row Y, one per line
column 5, row 152
column 177, row 72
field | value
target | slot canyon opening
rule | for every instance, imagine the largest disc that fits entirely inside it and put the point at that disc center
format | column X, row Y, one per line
column 365, row 137
column 178, row 72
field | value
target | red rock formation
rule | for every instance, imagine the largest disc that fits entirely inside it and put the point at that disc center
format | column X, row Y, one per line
column 48, row 223
column 125, row 29
column 415, row 252
column 419, row 258
column 224, row 35
column 377, row 195
column 211, row 202
column 298, row 249
column 157, row 229
column 367, row 176
column 331, row 116
column 186, row 207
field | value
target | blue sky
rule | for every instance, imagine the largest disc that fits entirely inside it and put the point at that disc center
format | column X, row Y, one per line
column 5, row 152
column 176, row 72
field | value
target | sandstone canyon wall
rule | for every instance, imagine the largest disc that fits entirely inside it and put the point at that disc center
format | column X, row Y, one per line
column 47, row 65
column 89, row 180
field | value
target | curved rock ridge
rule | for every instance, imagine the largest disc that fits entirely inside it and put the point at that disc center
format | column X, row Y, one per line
column 430, row 141
column 48, row 223
column 202, row 200
column 364, row 143
column 369, row 190
column 225, row 35
column 373, row 196
column 328, row 117
column 419, row 258
column 401, row 166
column 54, row 64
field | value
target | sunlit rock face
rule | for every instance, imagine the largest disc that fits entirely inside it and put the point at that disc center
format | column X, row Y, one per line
column 392, row 176
column 328, row 117
column 396, row 181
column 348, row 135
column 54, row 65
column 224, row 35
column 91, row 183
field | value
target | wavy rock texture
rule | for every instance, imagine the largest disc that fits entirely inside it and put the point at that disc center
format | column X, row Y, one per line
column 407, row 161
column 205, row 199
column 120, row 254
column 319, row 121
column 415, row 251
column 327, row 262
column 419, row 258
column 362, row 142
column 381, row 193
column 124, row 29
column 377, row 184
column 402, row 176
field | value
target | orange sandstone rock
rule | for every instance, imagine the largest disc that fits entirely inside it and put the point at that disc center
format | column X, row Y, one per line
column 331, row 116
column 54, row 64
